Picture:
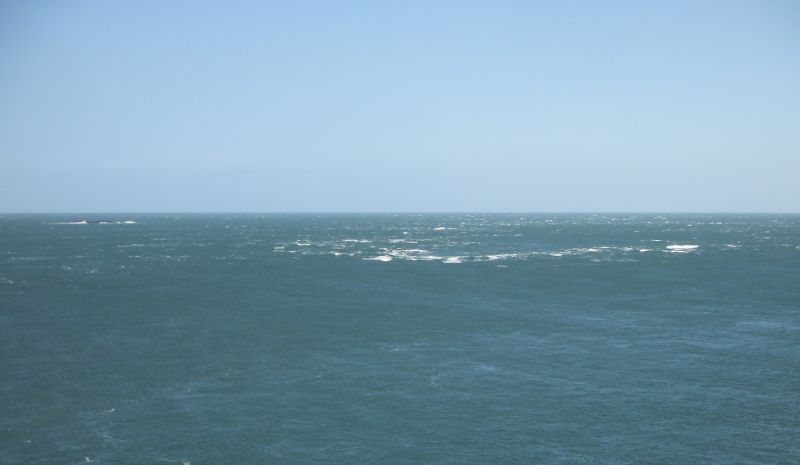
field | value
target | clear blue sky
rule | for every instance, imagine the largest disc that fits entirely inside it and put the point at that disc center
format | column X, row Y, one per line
column 400, row 106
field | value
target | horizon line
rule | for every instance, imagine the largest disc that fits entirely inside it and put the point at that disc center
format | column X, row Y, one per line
column 410, row 213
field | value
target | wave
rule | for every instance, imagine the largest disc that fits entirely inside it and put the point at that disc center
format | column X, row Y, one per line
column 390, row 248
column 682, row 248
column 96, row 222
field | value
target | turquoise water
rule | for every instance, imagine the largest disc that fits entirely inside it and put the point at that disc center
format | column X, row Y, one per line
column 400, row 339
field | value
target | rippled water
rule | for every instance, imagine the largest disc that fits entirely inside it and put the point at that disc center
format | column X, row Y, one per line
column 596, row 339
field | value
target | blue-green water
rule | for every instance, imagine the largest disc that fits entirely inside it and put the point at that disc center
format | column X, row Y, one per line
column 400, row 339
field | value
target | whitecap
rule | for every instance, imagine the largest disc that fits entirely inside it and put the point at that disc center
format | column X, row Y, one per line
column 412, row 254
column 426, row 258
column 682, row 248
column 380, row 258
column 407, row 251
column 452, row 260
column 502, row 256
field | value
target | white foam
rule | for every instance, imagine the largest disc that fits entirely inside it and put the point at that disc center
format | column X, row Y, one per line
column 440, row 228
column 502, row 256
column 452, row 260
column 380, row 258
column 412, row 254
column 407, row 251
column 682, row 248
column 426, row 258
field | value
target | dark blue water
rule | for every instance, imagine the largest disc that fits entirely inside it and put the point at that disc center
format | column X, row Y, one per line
column 400, row 339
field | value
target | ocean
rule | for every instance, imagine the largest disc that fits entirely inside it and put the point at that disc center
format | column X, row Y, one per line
column 399, row 339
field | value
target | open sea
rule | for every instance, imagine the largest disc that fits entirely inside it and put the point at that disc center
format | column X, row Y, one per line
column 400, row 339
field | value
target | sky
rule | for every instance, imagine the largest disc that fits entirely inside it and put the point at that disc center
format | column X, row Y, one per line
column 407, row 106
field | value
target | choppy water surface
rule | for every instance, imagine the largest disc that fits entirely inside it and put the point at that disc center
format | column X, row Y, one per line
column 470, row 339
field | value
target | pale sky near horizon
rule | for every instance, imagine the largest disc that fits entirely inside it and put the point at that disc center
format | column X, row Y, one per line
column 405, row 106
